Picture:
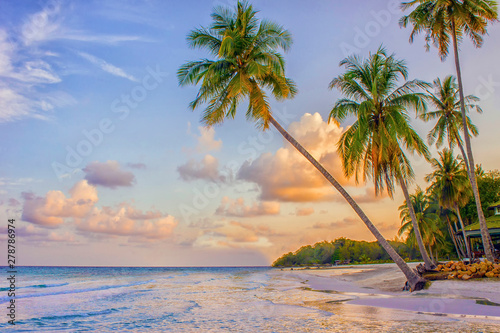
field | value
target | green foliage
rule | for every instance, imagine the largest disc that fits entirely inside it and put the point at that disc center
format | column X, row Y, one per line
column 246, row 65
column 374, row 146
column 342, row 249
column 488, row 184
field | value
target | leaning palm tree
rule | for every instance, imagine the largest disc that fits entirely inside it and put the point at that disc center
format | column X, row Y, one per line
column 447, row 114
column 450, row 185
column 442, row 21
column 374, row 145
column 248, row 65
column 427, row 219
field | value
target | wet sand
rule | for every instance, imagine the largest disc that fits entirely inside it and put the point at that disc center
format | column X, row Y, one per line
column 381, row 285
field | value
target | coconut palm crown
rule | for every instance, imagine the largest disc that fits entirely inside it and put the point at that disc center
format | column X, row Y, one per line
column 372, row 145
column 446, row 103
column 246, row 65
column 438, row 19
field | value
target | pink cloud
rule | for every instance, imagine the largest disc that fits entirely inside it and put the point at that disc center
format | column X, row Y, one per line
column 108, row 174
column 304, row 211
column 206, row 169
column 50, row 211
column 80, row 206
column 231, row 207
column 118, row 223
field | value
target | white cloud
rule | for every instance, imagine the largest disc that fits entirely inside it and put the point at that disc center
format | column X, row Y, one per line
column 27, row 65
column 206, row 140
column 107, row 67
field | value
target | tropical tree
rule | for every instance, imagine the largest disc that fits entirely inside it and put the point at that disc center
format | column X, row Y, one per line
column 448, row 116
column 427, row 218
column 442, row 21
column 248, row 65
column 373, row 147
column 450, row 185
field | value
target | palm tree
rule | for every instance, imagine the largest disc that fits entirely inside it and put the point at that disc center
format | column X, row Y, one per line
column 373, row 145
column 449, row 118
column 442, row 20
column 450, row 185
column 427, row 219
column 248, row 65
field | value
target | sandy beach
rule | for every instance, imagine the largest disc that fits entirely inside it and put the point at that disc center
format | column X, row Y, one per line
column 379, row 287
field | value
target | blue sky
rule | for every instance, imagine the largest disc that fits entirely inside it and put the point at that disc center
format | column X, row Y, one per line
column 103, row 163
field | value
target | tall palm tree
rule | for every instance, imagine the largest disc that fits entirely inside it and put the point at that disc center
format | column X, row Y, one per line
column 449, row 123
column 427, row 219
column 442, row 20
column 450, row 185
column 373, row 145
column 247, row 65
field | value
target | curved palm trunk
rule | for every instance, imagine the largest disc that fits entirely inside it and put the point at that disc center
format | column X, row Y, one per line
column 418, row 236
column 467, row 247
column 485, row 235
column 452, row 235
column 415, row 281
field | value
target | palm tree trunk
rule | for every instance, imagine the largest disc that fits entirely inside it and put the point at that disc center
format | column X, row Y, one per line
column 485, row 235
column 418, row 236
column 432, row 256
column 452, row 235
column 457, row 211
column 415, row 281
column 462, row 151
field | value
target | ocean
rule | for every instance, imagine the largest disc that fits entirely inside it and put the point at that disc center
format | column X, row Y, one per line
column 215, row 299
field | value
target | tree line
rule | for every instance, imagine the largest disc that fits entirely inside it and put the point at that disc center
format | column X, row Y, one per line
column 343, row 250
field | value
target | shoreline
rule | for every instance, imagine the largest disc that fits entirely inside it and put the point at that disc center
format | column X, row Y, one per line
column 379, row 286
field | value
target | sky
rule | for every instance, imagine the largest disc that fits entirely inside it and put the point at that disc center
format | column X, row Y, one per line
column 103, row 162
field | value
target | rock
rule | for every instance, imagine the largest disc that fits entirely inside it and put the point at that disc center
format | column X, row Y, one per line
column 489, row 274
column 466, row 277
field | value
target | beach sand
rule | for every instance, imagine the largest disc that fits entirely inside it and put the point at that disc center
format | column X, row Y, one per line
column 380, row 287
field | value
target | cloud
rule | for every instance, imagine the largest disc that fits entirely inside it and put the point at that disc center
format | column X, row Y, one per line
column 288, row 176
column 124, row 221
column 13, row 202
column 43, row 25
column 108, row 174
column 206, row 140
column 48, row 25
column 50, row 211
column 139, row 166
column 346, row 222
column 107, row 67
column 205, row 223
column 33, row 234
column 234, row 234
column 304, row 211
column 27, row 65
column 206, row 169
column 80, row 207
column 237, row 208
column 369, row 196
column 218, row 240
column 18, row 95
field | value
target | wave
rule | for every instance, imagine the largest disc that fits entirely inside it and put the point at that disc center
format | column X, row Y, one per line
column 76, row 291
column 38, row 286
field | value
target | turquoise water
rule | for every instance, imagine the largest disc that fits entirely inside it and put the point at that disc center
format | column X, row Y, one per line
column 243, row 299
